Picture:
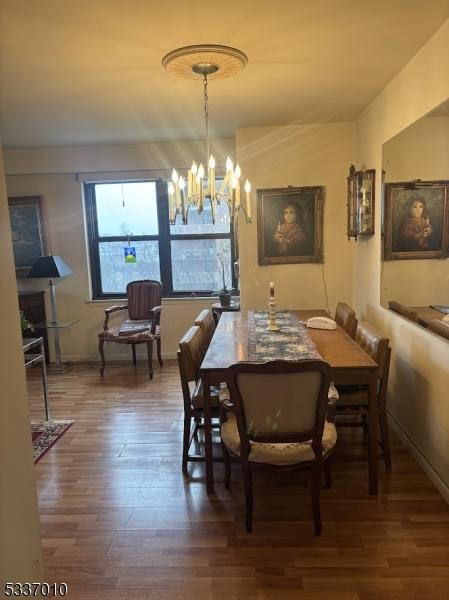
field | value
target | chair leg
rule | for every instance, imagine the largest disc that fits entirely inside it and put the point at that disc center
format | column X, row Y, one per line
column 133, row 346
column 383, row 425
column 316, row 489
column 327, row 473
column 185, row 442
column 103, row 362
column 158, row 347
column 248, row 483
column 150, row 358
column 227, row 465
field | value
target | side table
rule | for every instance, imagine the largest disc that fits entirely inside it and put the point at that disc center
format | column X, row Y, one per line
column 217, row 309
column 34, row 359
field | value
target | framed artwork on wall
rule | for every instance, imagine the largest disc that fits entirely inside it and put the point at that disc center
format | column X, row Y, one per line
column 416, row 220
column 29, row 237
column 290, row 224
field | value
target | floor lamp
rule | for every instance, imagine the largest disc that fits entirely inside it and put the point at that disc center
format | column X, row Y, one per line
column 51, row 267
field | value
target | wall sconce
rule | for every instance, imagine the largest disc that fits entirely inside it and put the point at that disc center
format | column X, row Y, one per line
column 361, row 186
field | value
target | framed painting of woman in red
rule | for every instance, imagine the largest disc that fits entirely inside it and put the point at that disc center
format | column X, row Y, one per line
column 416, row 220
column 289, row 225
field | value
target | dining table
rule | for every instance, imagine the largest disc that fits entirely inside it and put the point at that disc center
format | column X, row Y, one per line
column 350, row 365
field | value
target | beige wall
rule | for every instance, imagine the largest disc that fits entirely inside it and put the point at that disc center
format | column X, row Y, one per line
column 299, row 156
column 20, row 550
column 419, row 152
column 418, row 392
column 54, row 174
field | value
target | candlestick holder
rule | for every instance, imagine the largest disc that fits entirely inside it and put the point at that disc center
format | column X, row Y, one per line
column 272, row 324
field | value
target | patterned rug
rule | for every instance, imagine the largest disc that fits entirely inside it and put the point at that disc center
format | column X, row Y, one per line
column 45, row 434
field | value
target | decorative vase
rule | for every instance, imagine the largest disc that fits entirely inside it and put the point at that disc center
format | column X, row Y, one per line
column 225, row 299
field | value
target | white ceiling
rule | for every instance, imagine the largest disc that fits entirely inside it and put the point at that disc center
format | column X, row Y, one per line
column 89, row 72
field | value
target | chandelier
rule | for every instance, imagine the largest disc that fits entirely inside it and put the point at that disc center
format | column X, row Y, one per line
column 207, row 61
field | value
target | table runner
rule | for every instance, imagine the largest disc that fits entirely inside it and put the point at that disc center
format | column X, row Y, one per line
column 292, row 342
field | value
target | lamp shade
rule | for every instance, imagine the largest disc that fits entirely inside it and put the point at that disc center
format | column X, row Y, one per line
column 49, row 266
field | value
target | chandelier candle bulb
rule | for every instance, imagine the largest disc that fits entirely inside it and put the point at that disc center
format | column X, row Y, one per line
column 212, row 176
column 271, row 289
column 171, row 201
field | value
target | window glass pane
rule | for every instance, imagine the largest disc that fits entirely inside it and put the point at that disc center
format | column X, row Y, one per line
column 199, row 224
column 126, row 208
column 116, row 273
column 195, row 265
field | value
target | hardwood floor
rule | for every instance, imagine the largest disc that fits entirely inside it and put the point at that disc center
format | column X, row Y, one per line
column 119, row 521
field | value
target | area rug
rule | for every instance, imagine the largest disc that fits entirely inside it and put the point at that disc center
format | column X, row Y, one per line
column 44, row 434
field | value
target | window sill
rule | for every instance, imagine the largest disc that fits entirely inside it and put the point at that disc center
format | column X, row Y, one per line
column 168, row 300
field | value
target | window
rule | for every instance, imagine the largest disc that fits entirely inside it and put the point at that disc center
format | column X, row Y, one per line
column 130, row 238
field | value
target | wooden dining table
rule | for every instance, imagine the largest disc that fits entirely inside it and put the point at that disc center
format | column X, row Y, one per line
column 349, row 365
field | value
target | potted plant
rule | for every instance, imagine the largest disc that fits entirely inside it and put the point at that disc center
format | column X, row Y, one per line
column 25, row 324
column 224, row 291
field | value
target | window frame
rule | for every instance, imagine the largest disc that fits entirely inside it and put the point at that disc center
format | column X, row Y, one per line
column 164, row 239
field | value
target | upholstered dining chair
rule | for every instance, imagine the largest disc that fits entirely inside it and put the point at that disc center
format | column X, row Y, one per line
column 192, row 349
column 142, row 327
column 353, row 400
column 345, row 317
column 275, row 418
column 205, row 321
column 405, row 311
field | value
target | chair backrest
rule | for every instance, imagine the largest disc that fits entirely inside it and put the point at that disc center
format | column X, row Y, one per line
column 280, row 401
column 345, row 317
column 438, row 326
column 403, row 310
column 142, row 296
column 205, row 320
column 374, row 344
column 190, row 354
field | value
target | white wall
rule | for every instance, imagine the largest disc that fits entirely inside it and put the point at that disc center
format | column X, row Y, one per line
column 418, row 391
column 303, row 155
column 20, row 549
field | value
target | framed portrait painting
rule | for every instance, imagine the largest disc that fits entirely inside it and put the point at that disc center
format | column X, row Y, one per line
column 290, row 225
column 29, row 238
column 416, row 220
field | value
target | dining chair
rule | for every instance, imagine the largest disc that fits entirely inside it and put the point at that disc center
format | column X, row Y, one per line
column 205, row 321
column 190, row 356
column 345, row 317
column 275, row 418
column 353, row 400
column 143, row 326
column 405, row 311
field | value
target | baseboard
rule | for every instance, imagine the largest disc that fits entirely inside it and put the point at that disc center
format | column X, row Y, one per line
column 441, row 485
column 110, row 357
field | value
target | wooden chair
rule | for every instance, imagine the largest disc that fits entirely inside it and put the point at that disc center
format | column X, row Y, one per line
column 403, row 310
column 205, row 321
column 353, row 400
column 345, row 317
column 143, row 326
column 190, row 356
column 275, row 418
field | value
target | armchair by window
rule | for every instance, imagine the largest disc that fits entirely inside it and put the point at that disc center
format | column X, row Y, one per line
column 142, row 327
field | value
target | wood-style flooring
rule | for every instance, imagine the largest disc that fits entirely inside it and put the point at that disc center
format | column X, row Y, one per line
column 119, row 521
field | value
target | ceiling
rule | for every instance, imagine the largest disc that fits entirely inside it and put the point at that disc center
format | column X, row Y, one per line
column 89, row 72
